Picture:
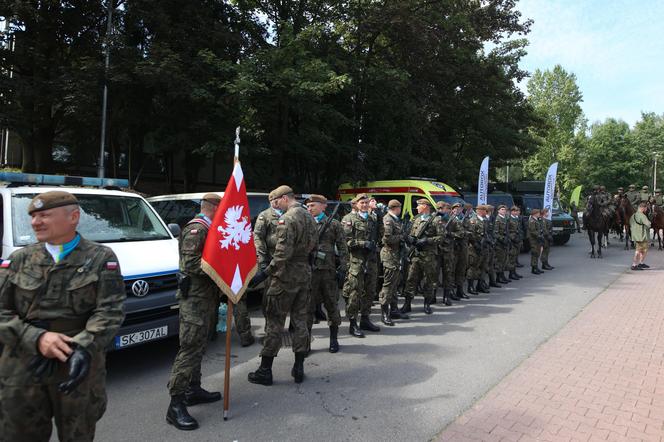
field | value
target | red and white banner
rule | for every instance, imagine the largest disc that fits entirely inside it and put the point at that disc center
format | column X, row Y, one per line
column 229, row 255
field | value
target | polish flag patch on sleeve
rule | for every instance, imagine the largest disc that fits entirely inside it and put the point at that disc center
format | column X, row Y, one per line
column 111, row 265
column 5, row 264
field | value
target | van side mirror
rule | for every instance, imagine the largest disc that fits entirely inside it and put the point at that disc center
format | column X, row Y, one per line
column 175, row 229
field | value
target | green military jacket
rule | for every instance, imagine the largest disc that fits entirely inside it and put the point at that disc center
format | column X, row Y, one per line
column 81, row 296
column 476, row 232
column 296, row 239
column 634, row 197
column 501, row 231
column 192, row 242
column 359, row 232
column 547, row 229
column 331, row 244
column 644, row 197
column 515, row 231
column 393, row 239
column 265, row 235
column 433, row 232
column 535, row 234
column 447, row 237
column 658, row 200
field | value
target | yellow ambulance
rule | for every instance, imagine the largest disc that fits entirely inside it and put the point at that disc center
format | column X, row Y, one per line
column 407, row 192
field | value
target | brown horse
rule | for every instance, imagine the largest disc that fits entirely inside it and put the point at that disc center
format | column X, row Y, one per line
column 596, row 223
column 625, row 212
column 657, row 224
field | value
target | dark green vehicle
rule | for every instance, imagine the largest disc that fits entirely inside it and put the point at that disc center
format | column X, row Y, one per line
column 563, row 224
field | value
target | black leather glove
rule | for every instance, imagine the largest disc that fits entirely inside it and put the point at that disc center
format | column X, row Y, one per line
column 410, row 240
column 42, row 367
column 420, row 243
column 79, row 366
column 259, row 277
column 370, row 246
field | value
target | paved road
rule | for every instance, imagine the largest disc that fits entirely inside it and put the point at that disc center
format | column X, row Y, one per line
column 405, row 383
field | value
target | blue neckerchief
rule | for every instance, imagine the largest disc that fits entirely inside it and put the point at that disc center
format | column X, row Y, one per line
column 320, row 217
column 425, row 216
column 205, row 218
column 60, row 251
column 279, row 212
column 445, row 216
column 364, row 215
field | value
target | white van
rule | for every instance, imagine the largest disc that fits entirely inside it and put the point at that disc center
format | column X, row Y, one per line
column 146, row 248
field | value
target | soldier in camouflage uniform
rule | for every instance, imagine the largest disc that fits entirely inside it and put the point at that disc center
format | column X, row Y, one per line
column 60, row 307
column 476, row 244
column 515, row 239
column 446, row 251
column 536, row 240
column 633, row 196
column 502, row 237
column 198, row 296
column 288, row 289
column 330, row 236
column 656, row 199
column 265, row 235
column 425, row 235
column 391, row 255
column 346, row 218
column 372, row 263
column 490, row 257
column 547, row 232
column 461, row 249
column 359, row 228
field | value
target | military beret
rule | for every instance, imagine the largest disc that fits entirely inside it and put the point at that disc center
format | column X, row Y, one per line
column 620, row 188
column 442, row 205
column 534, row 211
column 316, row 199
column 489, row 207
column 279, row 192
column 455, row 205
column 393, row 203
column 502, row 206
column 360, row 197
column 51, row 200
column 658, row 190
column 481, row 207
column 514, row 209
column 424, row 201
column 644, row 188
column 212, row 198
column 632, row 185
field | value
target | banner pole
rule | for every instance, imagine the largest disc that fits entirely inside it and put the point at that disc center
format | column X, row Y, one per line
column 227, row 363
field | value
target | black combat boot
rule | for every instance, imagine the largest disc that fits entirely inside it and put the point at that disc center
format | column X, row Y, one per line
column 482, row 286
column 354, row 330
column 471, row 287
column 501, row 278
column 492, row 281
column 366, row 324
column 395, row 313
column 517, row 274
column 298, row 368
column 546, row 266
column 178, row 416
column 451, row 294
column 406, row 307
column 195, row 395
column 319, row 314
column 460, row 293
column 334, row 343
column 385, row 317
column 447, row 300
column 427, row 307
column 247, row 339
column 536, row 271
column 513, row 276
column 263, row 375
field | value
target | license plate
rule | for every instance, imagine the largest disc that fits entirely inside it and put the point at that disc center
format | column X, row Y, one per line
column 141, row 336
column 558, row 229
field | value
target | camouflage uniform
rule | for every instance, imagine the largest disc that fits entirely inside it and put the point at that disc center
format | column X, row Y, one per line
column 634, row 197
column 265, row 240
column 476, row 233
column 80, row 296
column 488, row 249
column 390, row 255
column 536, row 239
column 372, row 261
column 345, row 288
column 290, row 279
column 324, row 277
column 501, row 234
column 423, row 264
column 547, row 233
column 196, row 304
column 359, row 232
column 515, row 239
column 461, row 252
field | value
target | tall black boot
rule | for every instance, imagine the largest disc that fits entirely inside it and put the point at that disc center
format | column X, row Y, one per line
column 446, row 298
column 451, row 294
column 178, row 416
column 501, row 278
column 385, row 315
column 406, row 308
column 195, row 395
column 471, row 287
column 427, row 307
column 513, row 276
column 536, row 271
column 460, row 293
column 492, row 281
column 354, row 330
column 366, row 324
column 482, row 286
column 334, row 342
column 263, row 375
column 298, row 368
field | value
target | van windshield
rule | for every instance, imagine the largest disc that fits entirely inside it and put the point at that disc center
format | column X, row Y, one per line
column 448, row 199
column 104, row 218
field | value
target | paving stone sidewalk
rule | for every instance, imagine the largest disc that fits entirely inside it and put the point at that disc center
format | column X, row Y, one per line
column 600, row 378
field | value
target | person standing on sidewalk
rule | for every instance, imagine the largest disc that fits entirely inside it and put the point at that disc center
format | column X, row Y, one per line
column 547, row 232
column 536, row 240
column 639, row 225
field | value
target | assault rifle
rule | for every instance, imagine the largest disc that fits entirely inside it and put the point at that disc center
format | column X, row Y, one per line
column 413, row 250
column 319, row 257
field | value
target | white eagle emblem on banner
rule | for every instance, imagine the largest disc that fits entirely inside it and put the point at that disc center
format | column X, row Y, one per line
column 237, row 230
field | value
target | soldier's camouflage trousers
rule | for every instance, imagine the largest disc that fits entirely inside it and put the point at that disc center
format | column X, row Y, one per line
column 461, row 263
column 27, row 411
column 371, row 282
column 513, row 256
column 535, row 254
column 474, row 263
column 324, row 289
column 242, row 320
column 448, row 266
column 358, row 281
column 423, row 267
column 282, row 301
column 195, row 319
column 487, row 259
column 544, row 257
column 500, row 263
column 391, row 279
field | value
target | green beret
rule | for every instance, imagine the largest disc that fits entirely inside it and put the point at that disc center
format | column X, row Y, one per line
column 360, row 197
column 316, row 199
column 279, row 192
column 212, row 198
column 393, row 203
column 424, row 201
column 51, row 200
column 455, row 205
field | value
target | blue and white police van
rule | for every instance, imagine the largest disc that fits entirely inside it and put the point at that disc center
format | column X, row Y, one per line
column 146, row 247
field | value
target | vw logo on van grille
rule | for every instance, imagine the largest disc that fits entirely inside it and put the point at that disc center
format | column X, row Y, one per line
column 140, row 288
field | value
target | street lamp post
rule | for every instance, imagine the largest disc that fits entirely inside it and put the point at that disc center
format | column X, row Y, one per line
column 104, row 103
column 654, row 175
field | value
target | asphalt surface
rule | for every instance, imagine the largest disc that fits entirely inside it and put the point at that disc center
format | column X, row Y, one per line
column 405, row 383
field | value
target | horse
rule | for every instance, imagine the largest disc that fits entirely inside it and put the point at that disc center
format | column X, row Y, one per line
column 596, row 223
column 625, row 212
column 657, row 224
